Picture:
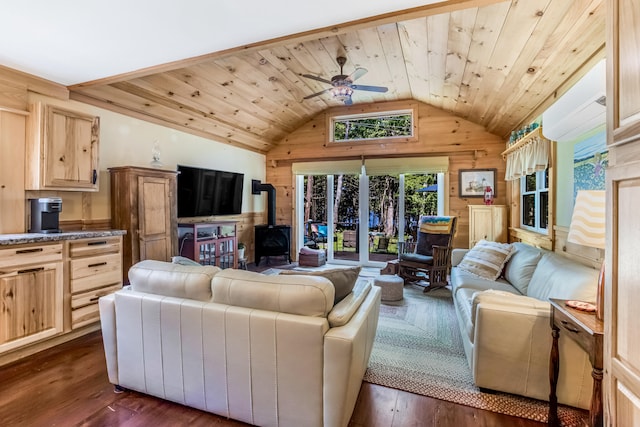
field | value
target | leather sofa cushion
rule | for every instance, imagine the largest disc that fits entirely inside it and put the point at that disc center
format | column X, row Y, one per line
column 559, row 277
column 173, row 280
column 343, row 279
column 521, row 265
column 464, row 301
column 344, row 310
column 461, row 279
column 296, row 294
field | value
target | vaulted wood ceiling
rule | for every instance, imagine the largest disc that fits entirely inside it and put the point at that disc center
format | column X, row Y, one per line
column 494, row 63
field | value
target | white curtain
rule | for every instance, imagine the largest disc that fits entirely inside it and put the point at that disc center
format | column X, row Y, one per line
column 532, row 157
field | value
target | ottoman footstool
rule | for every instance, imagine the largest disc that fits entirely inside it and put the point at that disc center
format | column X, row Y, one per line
column 392, row 287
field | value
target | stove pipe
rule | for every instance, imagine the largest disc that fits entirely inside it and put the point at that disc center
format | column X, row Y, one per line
column 256, row 188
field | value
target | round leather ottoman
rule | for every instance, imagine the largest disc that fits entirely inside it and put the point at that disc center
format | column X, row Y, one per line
column 392, row 287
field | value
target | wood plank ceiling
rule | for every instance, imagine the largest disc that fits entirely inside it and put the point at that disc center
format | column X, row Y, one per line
column 494, row 63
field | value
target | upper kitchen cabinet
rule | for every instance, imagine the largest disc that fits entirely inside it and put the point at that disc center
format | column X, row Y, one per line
column 62, row 151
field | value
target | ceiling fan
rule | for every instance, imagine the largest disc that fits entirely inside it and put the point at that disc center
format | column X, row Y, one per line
column 342, row 85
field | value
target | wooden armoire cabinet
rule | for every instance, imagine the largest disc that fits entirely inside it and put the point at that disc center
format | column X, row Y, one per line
column 143, row 202
column 488, row 222
column 622, row 286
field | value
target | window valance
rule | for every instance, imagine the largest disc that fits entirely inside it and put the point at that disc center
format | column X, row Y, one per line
column 527, row 156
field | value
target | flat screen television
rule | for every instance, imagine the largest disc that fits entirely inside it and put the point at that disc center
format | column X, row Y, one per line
column 206, row 192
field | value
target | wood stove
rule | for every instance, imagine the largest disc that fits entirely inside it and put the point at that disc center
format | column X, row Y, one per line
column 270, row 239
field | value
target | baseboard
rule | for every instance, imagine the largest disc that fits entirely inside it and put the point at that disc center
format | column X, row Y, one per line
column 39, row 346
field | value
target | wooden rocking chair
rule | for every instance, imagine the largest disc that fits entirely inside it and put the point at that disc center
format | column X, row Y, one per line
column 431, row 260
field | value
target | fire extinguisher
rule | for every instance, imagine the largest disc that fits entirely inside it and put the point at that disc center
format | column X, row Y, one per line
column 488, row 195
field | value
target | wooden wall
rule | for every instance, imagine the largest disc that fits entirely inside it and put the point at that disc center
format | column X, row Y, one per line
column 468, row 146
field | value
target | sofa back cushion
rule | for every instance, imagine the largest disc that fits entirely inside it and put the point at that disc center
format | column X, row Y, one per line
column 521, row 266
column 296, row 294
column 558, row 277
column 173, row 280
column 343, row 279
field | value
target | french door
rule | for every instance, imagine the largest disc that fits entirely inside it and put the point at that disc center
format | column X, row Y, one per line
column 361, row 219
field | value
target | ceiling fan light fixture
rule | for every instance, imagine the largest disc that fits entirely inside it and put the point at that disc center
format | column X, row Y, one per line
column 341, row 92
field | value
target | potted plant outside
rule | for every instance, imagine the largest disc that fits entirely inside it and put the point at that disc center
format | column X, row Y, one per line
column 241, row 248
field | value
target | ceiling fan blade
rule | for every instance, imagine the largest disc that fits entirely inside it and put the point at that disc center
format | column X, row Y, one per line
column 317, row 93
column 320, row 79
column 357, row 73
column 381, row 89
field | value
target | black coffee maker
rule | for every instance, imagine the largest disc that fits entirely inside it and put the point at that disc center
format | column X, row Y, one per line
column 45, row 213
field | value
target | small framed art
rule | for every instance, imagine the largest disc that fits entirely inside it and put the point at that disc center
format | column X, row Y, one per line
column 473, row 182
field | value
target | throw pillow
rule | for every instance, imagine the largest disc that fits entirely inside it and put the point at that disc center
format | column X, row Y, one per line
column 183, row 261
column 343, row 279
column 486, row 259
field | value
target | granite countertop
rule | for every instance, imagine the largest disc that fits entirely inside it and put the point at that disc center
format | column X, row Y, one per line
column 18, row 239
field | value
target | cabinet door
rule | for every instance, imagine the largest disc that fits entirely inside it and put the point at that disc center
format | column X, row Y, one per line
column 12, row 197
column 480, row 224
column 31, row 298
column 622, row 287
column 155, row 218
column 623, row 62
column 71, row 150
column 622, row 339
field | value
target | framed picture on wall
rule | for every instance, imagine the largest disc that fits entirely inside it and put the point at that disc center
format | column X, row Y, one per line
column 472, row 182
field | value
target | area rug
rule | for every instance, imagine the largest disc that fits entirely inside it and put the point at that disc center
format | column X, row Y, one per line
column 418, row 349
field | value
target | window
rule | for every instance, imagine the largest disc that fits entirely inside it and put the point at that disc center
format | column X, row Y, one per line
column 534, row 194
column 388, row 125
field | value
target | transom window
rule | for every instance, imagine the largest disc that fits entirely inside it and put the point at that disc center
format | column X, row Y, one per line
column 372, row 126
column 534, row 201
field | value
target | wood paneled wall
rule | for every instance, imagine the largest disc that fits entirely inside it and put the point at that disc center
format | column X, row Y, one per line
column 468, row 146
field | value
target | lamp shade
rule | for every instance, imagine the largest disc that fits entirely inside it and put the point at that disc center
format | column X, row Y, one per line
column 587, row 222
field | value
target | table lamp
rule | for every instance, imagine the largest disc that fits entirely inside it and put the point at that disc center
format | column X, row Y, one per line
column 588, row 229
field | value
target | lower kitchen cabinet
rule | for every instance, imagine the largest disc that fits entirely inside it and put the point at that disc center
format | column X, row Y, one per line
column 49, row 291
column 31, row 294
column 95, row 270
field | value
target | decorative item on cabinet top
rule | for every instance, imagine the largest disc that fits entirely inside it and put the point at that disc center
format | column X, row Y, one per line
column 62, row 149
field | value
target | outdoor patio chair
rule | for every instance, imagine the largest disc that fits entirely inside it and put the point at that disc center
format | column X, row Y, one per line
column 431, row 261
column 383, row 244
column 349, row 239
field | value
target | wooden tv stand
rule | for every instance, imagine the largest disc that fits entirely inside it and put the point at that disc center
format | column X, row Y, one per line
column 209, row 243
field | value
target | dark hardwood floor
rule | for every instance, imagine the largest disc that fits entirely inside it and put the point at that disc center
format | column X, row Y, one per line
column 68, row 386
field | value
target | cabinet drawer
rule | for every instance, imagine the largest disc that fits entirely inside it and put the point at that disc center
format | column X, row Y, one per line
column 94, row 246
column 91, row 297
column 95, row 272
column 36, row 254
column 85, row 315
column 568, row 327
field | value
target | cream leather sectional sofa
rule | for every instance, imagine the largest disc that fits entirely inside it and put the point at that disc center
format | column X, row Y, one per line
column 505, row 324
column 266, row 350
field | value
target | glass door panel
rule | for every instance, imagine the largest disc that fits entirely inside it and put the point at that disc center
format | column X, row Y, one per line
column 346, row 213
column 383, row 217
column 420, row 198
column 315, row 211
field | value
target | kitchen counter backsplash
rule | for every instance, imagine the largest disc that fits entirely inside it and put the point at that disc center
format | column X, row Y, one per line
column 18, row 239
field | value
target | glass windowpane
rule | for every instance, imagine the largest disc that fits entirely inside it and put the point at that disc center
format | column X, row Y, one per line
column 544, row 209
column 530, row 183
column 529, row 210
